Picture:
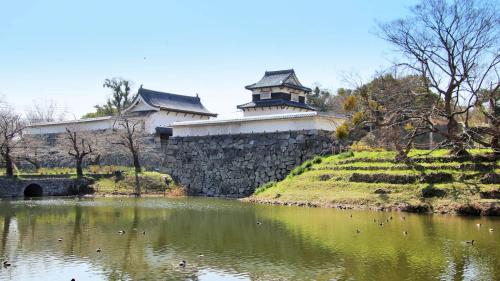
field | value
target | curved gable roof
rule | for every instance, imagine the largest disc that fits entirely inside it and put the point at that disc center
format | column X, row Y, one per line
column 280, row 78
column 173, row 102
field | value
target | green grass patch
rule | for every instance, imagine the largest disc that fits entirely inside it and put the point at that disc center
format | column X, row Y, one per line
column 327, row 181
column 264, row 187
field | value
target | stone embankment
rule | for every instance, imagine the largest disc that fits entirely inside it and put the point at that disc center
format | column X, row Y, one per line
column 235, row 165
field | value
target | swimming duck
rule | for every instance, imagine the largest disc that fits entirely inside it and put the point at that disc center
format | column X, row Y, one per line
column 144, row 233
column 182, row 264
column 259, row 223
column 60, row 239
column 405, row 232
column 470, row 242
column 478, row 224
column 381, row 224
column 121, row 232
column 491, row 229
column 6, row 264
column 98, row 250
column 358, row 231
column 201, row 255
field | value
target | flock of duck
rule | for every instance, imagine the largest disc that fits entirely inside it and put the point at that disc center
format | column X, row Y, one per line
column 381, row 223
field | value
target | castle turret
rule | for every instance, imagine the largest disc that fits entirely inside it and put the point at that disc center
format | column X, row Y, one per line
column 278, row 92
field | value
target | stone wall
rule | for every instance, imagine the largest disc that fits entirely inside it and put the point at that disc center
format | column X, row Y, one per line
column 234, row 165
column 51, row 150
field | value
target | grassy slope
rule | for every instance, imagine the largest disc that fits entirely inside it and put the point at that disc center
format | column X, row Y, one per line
column 325, row 181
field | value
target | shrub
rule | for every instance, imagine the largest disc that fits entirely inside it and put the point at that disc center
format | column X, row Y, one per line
column 345, row 155
column 317, row 160
column 431, row 191
column 349, row 103
column 264, row 187
column 363, row 146
column 409, row 127
column 306, row 166
column 357, row 118
column 342, row 131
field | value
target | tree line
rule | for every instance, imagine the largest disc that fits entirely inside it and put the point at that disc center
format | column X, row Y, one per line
column 78, row 143
column 443, row 82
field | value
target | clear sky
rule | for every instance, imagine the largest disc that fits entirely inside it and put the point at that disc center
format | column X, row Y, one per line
column 63, row 50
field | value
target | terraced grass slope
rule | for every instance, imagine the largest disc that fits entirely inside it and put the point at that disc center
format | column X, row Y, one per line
column 373, row 180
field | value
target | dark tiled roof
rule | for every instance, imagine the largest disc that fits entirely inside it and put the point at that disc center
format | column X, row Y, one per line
column 174, row 102
column 275, row 102
column 280, row 78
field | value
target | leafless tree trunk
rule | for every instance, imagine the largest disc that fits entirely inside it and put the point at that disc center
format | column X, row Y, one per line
column 128, row 130
column 11, row 127
column 79, row 149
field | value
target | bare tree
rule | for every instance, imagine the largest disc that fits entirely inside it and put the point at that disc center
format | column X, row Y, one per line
column 390, row 105
column 79, row 149
column 128, row 131
column 45, row 111
column 454, row 46
column 11, row 128
column 29, row 150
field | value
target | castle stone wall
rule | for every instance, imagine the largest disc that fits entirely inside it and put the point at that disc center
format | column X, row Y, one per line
column 234, row 165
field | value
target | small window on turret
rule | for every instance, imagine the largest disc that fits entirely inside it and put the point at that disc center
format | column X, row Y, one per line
column 265, row 96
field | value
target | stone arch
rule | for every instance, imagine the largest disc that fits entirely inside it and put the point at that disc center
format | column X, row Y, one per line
column 33, row 190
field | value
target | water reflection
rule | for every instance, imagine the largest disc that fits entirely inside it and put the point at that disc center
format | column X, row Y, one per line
column 220, row 240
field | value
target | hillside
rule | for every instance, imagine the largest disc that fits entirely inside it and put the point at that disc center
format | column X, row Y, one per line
column 433, row 182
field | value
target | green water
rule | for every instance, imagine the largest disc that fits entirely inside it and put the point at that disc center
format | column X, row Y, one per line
column 288, row 243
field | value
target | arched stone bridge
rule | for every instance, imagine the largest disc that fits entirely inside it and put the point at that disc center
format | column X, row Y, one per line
column 38, row 186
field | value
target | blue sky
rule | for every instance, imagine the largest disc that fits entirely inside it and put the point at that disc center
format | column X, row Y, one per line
column 63, row 50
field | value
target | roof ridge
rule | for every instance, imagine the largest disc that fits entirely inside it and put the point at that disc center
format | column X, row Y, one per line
column 277, row 72
column 166, row 93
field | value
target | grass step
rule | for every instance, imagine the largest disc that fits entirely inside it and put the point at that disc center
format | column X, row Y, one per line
column 459, row 167
column 441, row 159
column 439, row 177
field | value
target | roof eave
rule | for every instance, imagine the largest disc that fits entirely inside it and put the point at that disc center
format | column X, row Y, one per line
column 190, row 112
column 136, row 100
column 305, row 106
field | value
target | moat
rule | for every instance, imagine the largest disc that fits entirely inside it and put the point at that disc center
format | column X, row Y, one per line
column 138, row 239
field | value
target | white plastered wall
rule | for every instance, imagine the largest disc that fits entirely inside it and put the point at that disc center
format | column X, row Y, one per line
column 79, row 125
column 240, row 126
column 272, row 110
